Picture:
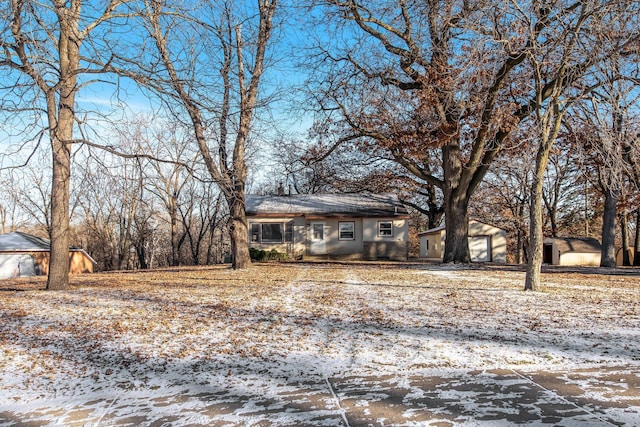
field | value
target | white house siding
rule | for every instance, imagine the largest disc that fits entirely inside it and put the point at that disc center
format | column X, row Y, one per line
column 393, row 247
column 334, row 245
column 580, row 259
column 297, row 247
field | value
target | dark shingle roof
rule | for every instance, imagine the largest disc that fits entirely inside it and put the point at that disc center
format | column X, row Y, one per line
column 18, row 241
column 577, row 244
column 353, row 205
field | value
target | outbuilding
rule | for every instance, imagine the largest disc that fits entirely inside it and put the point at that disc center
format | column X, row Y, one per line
column 572, row 251
column 23, row 254
column 487, row 243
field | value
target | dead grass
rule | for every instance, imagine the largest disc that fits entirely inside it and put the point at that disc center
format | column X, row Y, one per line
column 273, row 310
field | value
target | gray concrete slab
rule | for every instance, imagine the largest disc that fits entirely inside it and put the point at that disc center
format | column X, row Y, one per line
column 585, row 397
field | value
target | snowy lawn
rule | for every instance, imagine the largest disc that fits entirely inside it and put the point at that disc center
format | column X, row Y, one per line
column 211, row 345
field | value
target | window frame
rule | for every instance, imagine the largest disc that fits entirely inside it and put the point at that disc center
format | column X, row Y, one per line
column 352, row 225
column 271, row 224
column 383, row 232
column 257, row 232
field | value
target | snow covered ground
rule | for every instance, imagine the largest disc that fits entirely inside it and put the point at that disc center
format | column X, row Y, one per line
column 308, row 344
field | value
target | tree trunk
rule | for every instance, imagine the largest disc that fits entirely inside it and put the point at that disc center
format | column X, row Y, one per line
column 58, row 278
column 239, row 232
column 142, row 256
column 536, row 237
column 636, row 243
column 456, row 246
column 626, row 251
column 608, row 254
column 61, row 118
column 173, row 214
column 520, row 258
column 456, row 202
column 536, row 222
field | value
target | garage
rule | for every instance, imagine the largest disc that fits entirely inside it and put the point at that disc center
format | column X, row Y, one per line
column 480, row 248
column 17, row 265
column 487, row 243
column 23, row 254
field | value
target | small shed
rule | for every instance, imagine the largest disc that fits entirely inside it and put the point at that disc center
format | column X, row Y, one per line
column 487, row 243
column 572, row 251
column 23, row 254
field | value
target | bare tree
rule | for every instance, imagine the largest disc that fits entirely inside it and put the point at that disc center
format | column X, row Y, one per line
column 50, row 44
column 182, row 69
column 449, row 76
column 607, row 127
column 168, row 170
column 503, row 196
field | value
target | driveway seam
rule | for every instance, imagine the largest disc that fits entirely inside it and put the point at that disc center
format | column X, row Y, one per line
column 563, row 398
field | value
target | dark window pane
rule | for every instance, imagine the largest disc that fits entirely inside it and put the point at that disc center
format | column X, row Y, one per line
column 272, row 233
column 255, row 232
column 288, row 232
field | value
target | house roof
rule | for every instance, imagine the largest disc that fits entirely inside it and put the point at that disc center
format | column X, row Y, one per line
column 326, row 205
column 19, row 242
column 576, row 244
column 443, row 227
column 432, row 230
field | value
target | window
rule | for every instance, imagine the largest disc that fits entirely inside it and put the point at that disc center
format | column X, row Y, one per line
column 347, row 230
column 272, row 232
column 317, row 231
column 385, row 228
column 255, row 232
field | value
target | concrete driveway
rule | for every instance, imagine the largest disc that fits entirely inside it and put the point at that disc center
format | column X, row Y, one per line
column 586, row 397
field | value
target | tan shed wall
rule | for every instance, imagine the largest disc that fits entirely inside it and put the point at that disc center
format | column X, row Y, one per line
column 79, row 262
column 580, row 259
column 498, row 239
column 435, row 245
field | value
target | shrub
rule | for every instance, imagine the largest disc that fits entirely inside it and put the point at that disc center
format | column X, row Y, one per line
column 262, row 255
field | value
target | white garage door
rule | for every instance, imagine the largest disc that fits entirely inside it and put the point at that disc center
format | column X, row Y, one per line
column 480, row 248
column 16, row 265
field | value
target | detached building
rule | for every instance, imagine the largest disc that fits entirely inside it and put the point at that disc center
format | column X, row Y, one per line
column 23, row 254
column 575, row 251
column 329, row 226
column 486, row 243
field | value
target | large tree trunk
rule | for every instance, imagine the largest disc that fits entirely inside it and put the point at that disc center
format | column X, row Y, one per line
column 239, row 232
column 608, row 254
column 58, row 278
column 536, row 238
column 456, row 203
column 61, row 118
column 456, row 246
